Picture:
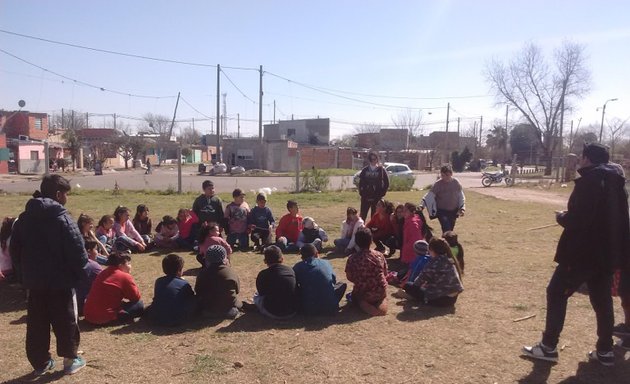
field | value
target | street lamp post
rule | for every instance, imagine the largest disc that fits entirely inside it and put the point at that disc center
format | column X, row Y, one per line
column 601, row 128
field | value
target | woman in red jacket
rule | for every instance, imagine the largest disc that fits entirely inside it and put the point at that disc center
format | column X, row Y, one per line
column 412, row 232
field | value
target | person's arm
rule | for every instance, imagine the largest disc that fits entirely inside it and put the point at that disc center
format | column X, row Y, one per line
column 323, row 235
column 73, row 246
column 130, row 290
column 270, row 217
column 357, row 225
column 350, row 271
column 280, row 229
column 586, row 199
column 461, row 199
column 300, row 240
column 385, row 181
column 361, row 185
column 194, row 217
column 133, row 233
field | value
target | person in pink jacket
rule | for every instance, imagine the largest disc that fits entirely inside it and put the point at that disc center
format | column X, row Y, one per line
column 125, row 231
column 412, row 232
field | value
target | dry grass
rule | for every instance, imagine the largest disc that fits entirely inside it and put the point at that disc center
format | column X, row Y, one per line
column 507, row 269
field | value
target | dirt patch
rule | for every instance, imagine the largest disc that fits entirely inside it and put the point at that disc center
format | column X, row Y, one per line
column 527, row 194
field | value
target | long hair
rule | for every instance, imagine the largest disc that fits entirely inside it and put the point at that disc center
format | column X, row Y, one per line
column 83, row 219
column 6, row 230
column 441, row 247
column 119, row 211
column 140, row 209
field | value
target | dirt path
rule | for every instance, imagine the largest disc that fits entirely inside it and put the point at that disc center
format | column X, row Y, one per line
column 525, row 194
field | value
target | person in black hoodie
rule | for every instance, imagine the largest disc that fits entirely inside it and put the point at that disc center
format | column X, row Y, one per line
column 276, row 295
column 51, row 268
column 595, row 241
column 373, row 185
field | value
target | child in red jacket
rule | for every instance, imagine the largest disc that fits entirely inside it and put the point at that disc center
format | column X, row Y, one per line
column 289, row 228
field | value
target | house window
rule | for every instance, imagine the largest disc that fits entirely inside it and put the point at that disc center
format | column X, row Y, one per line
column 245, row 154
column 34, row 155
column 291, row 132
column 38, row 123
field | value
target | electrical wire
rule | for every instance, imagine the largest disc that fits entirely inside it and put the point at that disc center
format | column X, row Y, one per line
column 237, row 88
column 195, row 109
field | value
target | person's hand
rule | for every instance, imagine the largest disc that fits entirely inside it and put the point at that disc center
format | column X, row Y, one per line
column 141, row 247
column 461, row 212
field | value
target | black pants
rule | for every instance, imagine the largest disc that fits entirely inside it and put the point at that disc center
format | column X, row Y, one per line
column 447, row 219
column 56, row 308
column 340, row 289
column 417, row 293
column 563, row 284
column 368, row 205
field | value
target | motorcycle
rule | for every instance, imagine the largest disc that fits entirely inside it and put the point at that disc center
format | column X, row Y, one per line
column 489, row 178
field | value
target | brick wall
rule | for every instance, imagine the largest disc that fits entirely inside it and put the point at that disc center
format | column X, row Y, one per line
column 4, row 164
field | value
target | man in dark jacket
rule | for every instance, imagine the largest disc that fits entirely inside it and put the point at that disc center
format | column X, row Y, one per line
column 373, row 185
column 595, row 240
column 52, row 255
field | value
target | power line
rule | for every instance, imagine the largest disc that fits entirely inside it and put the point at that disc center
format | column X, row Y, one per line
column 83, row 82
column 195, row 109
column 237, row 88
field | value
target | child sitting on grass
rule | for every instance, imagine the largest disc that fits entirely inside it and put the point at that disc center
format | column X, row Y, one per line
column 173, row 299
column 349, row 227
column 260, row 222
column 114, row 295
column 412, row 232
column 289, row 228
column 6, row 264
column 105, row 232
column 381, row 224
column 125, row 232
column 86, row 226
column 92, row 269
column 311, row 234
column 217, row 286
column 142, row 223
column 275, row 295
column 210, row 235
column 439, row 283
column 167, row 233
column 456, row 247
column 187, row 222
column 236, row 215
column 367, row 269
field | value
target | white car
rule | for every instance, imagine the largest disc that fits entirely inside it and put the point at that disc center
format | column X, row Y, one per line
column 393, row 170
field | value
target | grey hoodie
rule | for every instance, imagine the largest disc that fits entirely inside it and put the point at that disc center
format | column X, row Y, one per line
column 49, row 246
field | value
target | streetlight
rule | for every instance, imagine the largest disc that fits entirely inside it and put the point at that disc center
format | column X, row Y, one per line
column 601, row 128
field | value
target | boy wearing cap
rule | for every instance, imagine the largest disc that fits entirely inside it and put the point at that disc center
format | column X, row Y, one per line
column 595, row 240
column 311, row 234
column 208, row 207
column 236, row 214
column 289, row 228
column 218, row 285
column 260, row 221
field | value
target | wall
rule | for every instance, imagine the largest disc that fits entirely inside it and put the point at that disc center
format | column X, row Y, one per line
column 325, row 157
column 25, row 164
column 4, row 155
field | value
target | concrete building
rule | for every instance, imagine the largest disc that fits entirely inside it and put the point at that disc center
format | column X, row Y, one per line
column 387, row 139
column 306, row 131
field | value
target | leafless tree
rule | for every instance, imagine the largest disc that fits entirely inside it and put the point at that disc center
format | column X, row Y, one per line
column 154, row 123
column 617, row 129
column 540, row 91
column 189, row 136
column 368, row 128
column 412, row 121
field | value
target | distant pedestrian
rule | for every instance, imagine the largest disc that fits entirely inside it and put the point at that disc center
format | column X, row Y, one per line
column 373, row 185
column 52, row 255
column 149, row 170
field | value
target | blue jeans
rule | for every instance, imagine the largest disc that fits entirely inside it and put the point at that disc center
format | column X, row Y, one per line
column 447, row 219
column 562, row 285
column 242, row 238
column 130, row 310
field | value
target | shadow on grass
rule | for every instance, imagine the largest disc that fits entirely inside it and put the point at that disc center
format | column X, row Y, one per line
column 414, row 311
column 592, row 372
column 144, row 325
column 192, row 271
column 30, row 378
column 255, row 322
column 13, row 298
column 540, row 371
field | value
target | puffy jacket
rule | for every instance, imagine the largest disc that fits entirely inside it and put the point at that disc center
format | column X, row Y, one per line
column 373, row 184
column 49, row 246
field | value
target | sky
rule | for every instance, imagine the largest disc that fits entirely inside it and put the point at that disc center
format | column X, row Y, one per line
column 355, row 62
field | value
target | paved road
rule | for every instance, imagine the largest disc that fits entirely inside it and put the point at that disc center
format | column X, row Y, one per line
column 164, row 178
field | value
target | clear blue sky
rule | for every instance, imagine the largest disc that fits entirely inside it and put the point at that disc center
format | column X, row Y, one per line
column 435, row 50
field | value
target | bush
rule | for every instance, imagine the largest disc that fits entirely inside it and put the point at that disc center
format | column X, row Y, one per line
column 400, row 184
column 314, row 181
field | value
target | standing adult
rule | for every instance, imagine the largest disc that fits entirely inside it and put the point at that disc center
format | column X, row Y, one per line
column 373, row 185
column 445, row 200
column 595, row 240
column 52, row 254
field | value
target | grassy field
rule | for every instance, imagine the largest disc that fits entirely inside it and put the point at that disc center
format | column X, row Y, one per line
column 508, row 266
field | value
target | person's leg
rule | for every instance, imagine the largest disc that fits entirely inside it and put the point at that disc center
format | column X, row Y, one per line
column 231, row 239
column 372, row 208
column 379, row 245
column 599, row 287
column 365, row 205
column 64, row 317
column 318, row 244
column 562, row 285
column 445, row 219
column 38, row 329
column 201, row 259
column 624, row 295
column 243, row 241
column 130, row 311
column 444, row 301
column 292, row 247
column 341, row 244
column 376, row 309
column 340, row 289
column 414, row 291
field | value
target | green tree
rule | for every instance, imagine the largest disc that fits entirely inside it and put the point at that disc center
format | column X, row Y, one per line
column 497, row 141
column 129, row 147
column 524, row 143
column 73, row 143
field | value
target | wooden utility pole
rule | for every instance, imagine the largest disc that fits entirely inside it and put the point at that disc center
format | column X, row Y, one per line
column 260, row 103
column 238, row 125
column 218, row 113
column 448, row 111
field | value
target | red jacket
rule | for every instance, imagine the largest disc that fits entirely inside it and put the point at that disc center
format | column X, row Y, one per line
column 186, row 226
column 384, row 226
column 412, row 232
column 289, row 227
column 109, row 289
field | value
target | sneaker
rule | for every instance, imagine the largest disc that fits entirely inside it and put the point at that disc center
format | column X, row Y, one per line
column 401, row 294
column 72, row 366
column 50, row 365
column 621, row 330
column 541, row 352
column 623, row 344
column 605, row 358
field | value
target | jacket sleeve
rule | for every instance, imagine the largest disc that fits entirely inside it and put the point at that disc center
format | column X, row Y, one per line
column 385, row 180
column 323, row 235
column 583, row 206
column 133, row 233
column 361, row 182
column 357, row 225
column 461, row 198
column 130, row 290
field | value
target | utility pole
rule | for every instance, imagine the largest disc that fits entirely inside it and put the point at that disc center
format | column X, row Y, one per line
column 238, row 125
column 87, row 120
column 448, row 111
column 114, row 121
column 506, row 132
column 218, row 113
column 274, row 111
column 224, row 121
column 458, row 125
column 480, row 130
column 260, row 103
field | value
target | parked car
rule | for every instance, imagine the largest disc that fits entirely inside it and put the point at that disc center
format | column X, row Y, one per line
column 393, row 170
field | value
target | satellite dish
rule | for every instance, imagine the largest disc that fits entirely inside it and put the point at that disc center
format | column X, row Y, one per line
column 21, row 103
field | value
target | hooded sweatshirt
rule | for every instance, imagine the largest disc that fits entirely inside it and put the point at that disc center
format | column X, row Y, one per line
column 49, row 245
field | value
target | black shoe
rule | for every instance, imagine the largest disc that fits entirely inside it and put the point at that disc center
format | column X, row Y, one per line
column 621, row 330
column 605, row 358
column 541, row 352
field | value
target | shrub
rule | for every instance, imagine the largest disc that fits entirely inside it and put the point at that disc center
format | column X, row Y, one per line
column 400, row 184
column 314, row 180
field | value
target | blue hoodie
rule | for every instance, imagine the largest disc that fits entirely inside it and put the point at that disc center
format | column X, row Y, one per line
column 49, row 246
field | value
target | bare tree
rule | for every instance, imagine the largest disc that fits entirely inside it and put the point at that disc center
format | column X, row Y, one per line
column 190, row 136
column 158, row 124
column 618, row 129
column 70, row 120
column 541, row 92
column 368, row 128
column 412, row 121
